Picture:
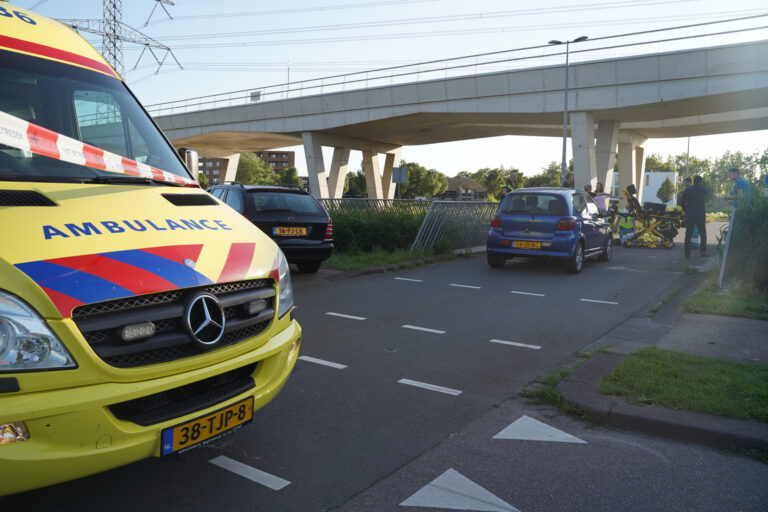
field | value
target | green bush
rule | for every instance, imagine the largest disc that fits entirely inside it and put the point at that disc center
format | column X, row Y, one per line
column 748, row 252
column 356, row 230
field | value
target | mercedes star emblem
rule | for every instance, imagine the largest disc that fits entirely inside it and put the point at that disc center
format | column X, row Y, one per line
column 205, row 319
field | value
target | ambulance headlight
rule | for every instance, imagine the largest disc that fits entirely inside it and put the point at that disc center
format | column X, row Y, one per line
column 285, row 302
column 26, row 342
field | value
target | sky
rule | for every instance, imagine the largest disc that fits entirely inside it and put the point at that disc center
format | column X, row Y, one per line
column 235, row 45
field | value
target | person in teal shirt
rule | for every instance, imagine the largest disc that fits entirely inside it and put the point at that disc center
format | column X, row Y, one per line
column 740, row 186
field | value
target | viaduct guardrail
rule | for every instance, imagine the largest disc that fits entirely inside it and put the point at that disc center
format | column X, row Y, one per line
column 752, row 27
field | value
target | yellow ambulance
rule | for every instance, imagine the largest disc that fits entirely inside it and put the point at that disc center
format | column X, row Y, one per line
column 139, row 316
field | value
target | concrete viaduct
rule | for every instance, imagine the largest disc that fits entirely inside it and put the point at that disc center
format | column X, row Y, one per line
column 615, row 105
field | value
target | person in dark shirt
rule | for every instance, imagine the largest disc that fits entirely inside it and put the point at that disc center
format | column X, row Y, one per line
column 693, row 201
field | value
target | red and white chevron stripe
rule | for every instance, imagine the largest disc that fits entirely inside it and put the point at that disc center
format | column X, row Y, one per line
column 20, row 134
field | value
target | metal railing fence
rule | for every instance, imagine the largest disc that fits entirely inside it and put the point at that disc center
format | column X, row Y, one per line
column 410, row 206
column 455, row 224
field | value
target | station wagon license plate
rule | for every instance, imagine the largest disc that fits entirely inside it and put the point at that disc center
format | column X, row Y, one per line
column 214, row 425
column 286, row 231
column 522, row 244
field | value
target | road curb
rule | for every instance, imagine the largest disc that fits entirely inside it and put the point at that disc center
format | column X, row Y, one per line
column 578, row 388
column 393, row 267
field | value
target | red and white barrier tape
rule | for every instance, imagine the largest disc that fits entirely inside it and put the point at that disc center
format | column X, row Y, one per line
column 20, row 134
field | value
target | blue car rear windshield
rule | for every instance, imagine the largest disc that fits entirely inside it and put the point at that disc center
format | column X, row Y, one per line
column 534, row 204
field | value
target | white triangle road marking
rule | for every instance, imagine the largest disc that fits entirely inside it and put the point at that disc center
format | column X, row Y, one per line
column 529, row 429
column 454, row 491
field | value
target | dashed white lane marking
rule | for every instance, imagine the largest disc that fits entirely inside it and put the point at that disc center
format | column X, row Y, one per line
column 454, row 491
column 407, row 279
column 322, row 362
column 527, row 293
column 465, row 286
column 515, row 344
column 600, row 302
column 341, row 315
column 431, row 387
column 260, row 477
column 529, row 429
column 423, row 329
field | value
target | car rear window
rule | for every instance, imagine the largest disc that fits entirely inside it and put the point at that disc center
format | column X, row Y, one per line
column 536, row 204
column 267, row 202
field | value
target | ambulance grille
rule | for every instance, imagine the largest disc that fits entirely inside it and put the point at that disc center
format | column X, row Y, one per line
column 191, row 199
column 101, row 324
column 24, row 198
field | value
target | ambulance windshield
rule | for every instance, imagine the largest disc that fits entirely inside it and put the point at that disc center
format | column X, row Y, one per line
column 83, row 105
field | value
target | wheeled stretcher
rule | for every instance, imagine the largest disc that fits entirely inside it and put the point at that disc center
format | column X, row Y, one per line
column 657, row 226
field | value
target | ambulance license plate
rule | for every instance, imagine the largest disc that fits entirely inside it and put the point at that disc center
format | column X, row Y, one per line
column 209, row 427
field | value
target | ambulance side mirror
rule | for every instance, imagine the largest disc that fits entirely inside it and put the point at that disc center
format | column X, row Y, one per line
column 190, row 159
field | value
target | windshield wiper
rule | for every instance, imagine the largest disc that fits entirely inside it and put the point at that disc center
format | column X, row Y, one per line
column 43, row 179
column 118, row 180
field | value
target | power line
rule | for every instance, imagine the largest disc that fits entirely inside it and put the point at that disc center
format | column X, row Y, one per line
column 445, row 33
column 371, row 74
column 299, row 10
column 429, row 19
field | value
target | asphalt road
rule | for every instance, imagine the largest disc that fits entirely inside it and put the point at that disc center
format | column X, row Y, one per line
column 406, row 399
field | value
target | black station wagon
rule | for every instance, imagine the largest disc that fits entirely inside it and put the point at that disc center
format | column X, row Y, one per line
column 294, row 219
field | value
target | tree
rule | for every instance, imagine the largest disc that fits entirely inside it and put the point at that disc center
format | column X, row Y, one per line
column 423, row 182
column 655, row 163
column 549, row 177
column 289, row 176
column 202, row 179
column 252, row 170
column 666, row 190
column 354, row 184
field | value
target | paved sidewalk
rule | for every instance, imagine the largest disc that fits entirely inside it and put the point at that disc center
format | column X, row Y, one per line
column 737, row 339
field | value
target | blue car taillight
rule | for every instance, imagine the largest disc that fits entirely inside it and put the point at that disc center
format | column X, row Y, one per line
column 566, row 224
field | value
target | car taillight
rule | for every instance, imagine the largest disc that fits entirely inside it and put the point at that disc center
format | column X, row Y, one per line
column 496, row 222
column 328, row 231
column 566, row 224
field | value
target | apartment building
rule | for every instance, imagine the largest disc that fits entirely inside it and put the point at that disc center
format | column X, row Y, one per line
column 215, row 168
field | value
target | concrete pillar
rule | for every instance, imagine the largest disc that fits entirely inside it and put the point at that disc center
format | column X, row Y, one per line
column 583, row 140
column 338, row 172
column 372, row 175
column 605, row 152
column 632, row 161
column 313, row 150
column 392, row 160
column 626, row 166
column 640, row 172
column 230, row 170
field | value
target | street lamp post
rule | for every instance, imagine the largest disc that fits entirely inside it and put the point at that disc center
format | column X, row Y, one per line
column 567, row 44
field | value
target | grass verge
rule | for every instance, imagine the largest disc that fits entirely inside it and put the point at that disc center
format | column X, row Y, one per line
column 544, row 391
column 355, row 260
column 740, row 300
column 682, row 381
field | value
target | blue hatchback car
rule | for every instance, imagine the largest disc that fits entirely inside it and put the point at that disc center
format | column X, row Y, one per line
column 560, row 223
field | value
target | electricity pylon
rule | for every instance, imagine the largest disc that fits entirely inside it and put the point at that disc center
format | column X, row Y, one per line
column 114, row 32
